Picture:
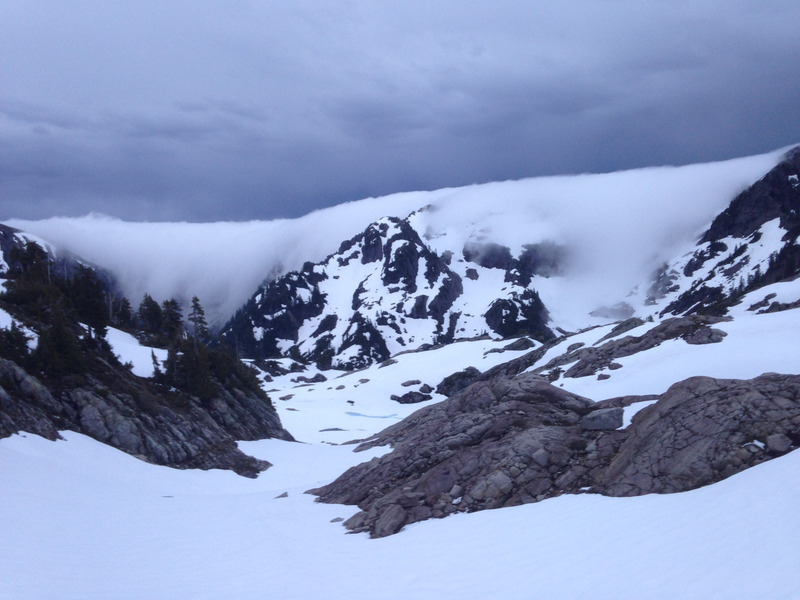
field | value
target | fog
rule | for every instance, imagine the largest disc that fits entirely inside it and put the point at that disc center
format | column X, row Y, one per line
column 617, row 228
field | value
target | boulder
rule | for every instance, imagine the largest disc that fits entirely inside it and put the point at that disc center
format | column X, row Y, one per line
column 604, row 418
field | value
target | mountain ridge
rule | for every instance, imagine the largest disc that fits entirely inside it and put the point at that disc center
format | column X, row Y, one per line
column 300, row 315
column 223, row 263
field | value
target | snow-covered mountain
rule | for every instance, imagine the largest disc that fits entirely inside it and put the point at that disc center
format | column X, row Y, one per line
column 618, row 228
column 752, row 243
column 550, row 342
column 403, row 284
column 386, row 290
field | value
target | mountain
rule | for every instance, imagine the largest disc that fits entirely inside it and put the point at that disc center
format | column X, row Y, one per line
column 401, row 286
column 618, row 229
column 58, row 371
column 752, row 243
column 385, row 291
column 458, row 351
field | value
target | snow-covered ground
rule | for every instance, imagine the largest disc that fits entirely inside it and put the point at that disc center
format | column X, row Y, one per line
column 755, row 344
column 80, row 520
column 6, row 321
column 357, row 405
column 127, row 348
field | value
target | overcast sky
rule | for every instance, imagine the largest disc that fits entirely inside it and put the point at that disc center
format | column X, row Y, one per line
column 206, row 110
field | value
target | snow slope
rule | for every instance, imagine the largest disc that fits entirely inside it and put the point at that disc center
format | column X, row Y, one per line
column 128, row 349
column 754, row 344
column 81, row 520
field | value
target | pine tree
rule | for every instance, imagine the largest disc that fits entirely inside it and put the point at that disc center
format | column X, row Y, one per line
column 29, row 282
column 197, row 317
column 171, row 322
column 58, row 352
column 88, row 297
column 149, row 315
column 122, row 315
column 14, row 344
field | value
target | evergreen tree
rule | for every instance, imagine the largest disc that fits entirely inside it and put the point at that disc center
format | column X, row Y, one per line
column 149, row 315
column 31, row 263
column 14, row 344
column 88, row 297
column 122, row 313
column 58, row 352
column 197, row 317
column 29, row 282
column 171, row 322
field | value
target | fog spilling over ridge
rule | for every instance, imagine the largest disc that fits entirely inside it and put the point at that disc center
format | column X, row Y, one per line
column 617, row 228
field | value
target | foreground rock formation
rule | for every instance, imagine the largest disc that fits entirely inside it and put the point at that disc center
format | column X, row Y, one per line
column 516, row 440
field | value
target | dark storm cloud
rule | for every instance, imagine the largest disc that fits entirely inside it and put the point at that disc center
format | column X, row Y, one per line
column 209, row 110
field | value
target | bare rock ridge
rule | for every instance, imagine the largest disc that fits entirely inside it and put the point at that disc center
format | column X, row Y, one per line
column 585, row 361
column 516, row 440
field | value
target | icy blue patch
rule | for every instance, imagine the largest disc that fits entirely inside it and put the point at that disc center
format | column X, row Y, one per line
column 355, row 414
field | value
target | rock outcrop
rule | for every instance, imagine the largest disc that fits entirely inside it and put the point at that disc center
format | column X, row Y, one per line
column 58, row 372
column 126, row 412
column 517, row 440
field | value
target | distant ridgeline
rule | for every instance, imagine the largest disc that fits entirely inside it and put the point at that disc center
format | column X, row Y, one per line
column 57, row 370
column 386, row 290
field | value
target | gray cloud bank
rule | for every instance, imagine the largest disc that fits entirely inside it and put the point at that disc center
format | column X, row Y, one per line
column 217, row 109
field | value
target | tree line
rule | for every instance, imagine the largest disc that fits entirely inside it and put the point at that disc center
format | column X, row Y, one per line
column 71, row 310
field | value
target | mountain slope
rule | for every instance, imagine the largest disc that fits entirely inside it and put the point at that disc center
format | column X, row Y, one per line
column 752, row 243
column 386, row 291
column 402, row 284
column 618, row 228
column 58, row 372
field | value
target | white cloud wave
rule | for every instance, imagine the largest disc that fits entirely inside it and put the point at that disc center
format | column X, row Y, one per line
column 618, row 226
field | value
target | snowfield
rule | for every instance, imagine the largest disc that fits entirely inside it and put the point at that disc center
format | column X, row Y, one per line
column 80, row 520
column 127, row 348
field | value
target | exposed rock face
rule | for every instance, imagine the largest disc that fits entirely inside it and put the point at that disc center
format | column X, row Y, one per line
column 752, row 243
column 544, row 259
column 521, row 314
column 774, row 196
column 386, row 291
column 125, row 412
column 703, row 430
column 585, row 360
column 518, row 440
column 695, row 329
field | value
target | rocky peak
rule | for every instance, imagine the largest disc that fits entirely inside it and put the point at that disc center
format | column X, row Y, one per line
column 385, row 290
column 774, row 196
